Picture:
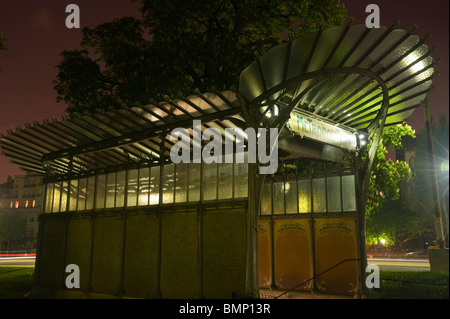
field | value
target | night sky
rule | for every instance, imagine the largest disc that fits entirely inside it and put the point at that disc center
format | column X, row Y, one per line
column 36, row 34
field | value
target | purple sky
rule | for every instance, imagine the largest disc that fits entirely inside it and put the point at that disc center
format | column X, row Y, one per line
column 36, row 34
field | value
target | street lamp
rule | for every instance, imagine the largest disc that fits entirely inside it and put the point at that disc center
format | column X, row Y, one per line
column 438, row 221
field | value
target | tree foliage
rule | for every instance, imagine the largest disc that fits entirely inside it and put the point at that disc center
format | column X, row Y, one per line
column 12, row 227
column 384, row 187
column 179, row 46
column 410, row 212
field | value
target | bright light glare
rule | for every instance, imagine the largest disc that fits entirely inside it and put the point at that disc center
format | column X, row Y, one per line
column 410, row 59
column 382, row 241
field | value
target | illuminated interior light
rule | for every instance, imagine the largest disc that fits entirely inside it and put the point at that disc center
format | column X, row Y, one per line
column 275, row 110
column 410, row 59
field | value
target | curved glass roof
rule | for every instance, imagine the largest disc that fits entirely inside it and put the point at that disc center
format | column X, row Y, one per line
column 340, row 75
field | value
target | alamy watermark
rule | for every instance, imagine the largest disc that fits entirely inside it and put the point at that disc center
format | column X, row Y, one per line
column 73, row 19
column 373, row 278
column 213, row 152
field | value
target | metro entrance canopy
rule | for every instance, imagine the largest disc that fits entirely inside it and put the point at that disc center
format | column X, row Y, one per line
column 327, row 92
column 352, row 77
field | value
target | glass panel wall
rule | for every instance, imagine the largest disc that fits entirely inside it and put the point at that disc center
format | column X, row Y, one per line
column 168, row 183
column 319, row 195
column 120, row 188
column 278, row 198
column 332, row 194
column 304, row 195
column 73, row 194
column 348, row 193
column 90, row 196
column 132, row 185
column 110, row 190
column 290, row 195
column 100, row 191
column 181, row 180
column 209, row 181
column 82, row 192
column 143, row 186
column 181, row 183
column 194, row 171
column 266, row 199
column 154, row 185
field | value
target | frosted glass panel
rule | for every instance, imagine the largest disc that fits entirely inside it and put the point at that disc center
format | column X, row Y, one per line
column 209, row 181
column 290, row 191
column 143, row 186
column 120, row 189
column 304, row 196
column 225, row 181
column 73, row 194
column 194, row 182
column 241, row 178
column 181, row 182
column 100, row 192
column 334, row 194
column 132, row 187
column 168, row 183
column 110, row 190
column 266, row 200
column 319, row 195
column 154, row 185
column 56, row 197
column 64, row 190
column 348, row 193
column 48, row 198
column 90, row 192
column 278, row 198
column 81, row 195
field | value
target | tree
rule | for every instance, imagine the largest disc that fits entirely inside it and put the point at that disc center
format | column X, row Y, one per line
column 12, row 227
column 384, row 188
column 180, row 46
column 421, row 192
column 412, row 214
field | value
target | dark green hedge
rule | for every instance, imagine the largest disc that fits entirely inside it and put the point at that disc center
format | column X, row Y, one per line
column 412, row 285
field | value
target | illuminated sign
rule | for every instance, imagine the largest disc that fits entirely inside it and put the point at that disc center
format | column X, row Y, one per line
column 309, row 127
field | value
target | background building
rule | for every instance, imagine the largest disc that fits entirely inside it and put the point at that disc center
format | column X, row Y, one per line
column 22, row 195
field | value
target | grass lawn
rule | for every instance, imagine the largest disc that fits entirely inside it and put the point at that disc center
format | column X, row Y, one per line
column 15, row 282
